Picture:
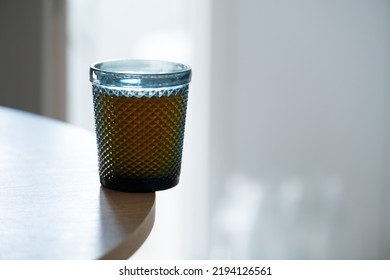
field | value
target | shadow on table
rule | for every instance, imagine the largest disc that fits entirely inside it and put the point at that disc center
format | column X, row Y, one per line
column 126, row 219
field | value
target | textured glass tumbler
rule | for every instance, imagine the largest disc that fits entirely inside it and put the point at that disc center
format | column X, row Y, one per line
column 140, row 110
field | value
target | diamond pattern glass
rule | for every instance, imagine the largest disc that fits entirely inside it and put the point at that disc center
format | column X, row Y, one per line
column 140, row 110
column 140, row 138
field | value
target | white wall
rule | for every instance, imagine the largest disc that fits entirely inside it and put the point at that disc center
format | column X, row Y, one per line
column 299, row 121
column 300, row 129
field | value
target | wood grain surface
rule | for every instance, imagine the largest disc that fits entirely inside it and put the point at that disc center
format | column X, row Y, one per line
column 51, row 203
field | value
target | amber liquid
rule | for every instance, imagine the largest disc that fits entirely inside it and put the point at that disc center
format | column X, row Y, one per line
column 140, row 140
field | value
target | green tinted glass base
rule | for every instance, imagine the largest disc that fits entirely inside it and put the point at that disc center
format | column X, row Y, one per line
column 128, row 184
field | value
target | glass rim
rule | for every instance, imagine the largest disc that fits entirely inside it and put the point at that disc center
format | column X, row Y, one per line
column 139, row 73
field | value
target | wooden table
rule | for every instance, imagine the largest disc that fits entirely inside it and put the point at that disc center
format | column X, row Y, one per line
column 51, row 203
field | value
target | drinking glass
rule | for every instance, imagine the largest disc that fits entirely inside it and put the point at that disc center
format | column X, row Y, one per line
column 140, row 111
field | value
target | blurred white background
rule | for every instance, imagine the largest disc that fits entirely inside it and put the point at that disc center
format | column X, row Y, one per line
column 300, row 129
column 287, row 151
column 173, row 30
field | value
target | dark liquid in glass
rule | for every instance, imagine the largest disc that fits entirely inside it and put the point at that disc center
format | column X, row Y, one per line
column 140, row 140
